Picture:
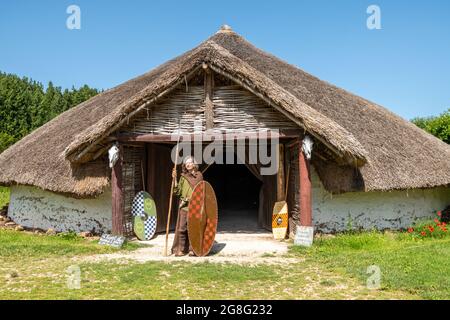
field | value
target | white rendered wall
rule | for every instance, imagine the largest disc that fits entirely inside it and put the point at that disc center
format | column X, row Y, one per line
column 35, row 208
column 369, row 210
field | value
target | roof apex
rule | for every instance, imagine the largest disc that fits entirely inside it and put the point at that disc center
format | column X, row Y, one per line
column 225, row 29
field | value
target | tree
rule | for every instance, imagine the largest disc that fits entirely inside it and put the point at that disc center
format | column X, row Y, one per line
column 25, row 105
column 438, row 126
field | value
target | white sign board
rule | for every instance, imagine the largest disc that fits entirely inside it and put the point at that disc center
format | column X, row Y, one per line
column 110, row 240
column 304, row 236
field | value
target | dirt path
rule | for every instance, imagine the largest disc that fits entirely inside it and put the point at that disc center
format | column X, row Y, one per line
column 239, row 248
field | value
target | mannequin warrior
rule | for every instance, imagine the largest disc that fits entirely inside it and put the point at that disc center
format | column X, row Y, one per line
column 190, row 176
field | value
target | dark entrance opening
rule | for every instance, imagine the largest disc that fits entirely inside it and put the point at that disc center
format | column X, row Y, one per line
column 237, row 191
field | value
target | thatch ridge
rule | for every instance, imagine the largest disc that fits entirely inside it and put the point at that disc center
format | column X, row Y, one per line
column 399, row 155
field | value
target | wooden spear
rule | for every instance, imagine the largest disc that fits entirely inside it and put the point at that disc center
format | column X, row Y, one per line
column 170, row 197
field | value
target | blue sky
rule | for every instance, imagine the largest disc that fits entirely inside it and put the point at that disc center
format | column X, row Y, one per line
column 405, row 66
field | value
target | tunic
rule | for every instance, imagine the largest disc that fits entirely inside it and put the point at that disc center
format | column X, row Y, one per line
column 184, row 191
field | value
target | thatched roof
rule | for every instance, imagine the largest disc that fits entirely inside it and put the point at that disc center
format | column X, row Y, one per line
column 392, row 153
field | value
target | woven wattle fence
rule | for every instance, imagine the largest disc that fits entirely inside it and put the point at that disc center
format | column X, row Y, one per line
column 238, row 109
column 234, row 109
column 181, row 108
column 293, row 197
column 132, row 181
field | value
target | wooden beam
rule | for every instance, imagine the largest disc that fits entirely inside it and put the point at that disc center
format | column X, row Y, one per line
column 305, row 188
column 207, row 137
column 101, row 151
column 117, row 196
column 280, row 174
column 146, row 138
column 209, row 89
column 293, row 142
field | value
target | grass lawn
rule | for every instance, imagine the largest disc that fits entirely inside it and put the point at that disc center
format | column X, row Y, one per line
column 21, row 246
column 4, row 196
column 37, row 267
column 417, row 266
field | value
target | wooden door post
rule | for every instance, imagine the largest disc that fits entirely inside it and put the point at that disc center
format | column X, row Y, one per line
column 305, row 188
column 281, row 179
column 209, row 89
column 117, row 196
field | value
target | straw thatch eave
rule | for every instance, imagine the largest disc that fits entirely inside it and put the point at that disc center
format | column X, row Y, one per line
column 339, row 140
